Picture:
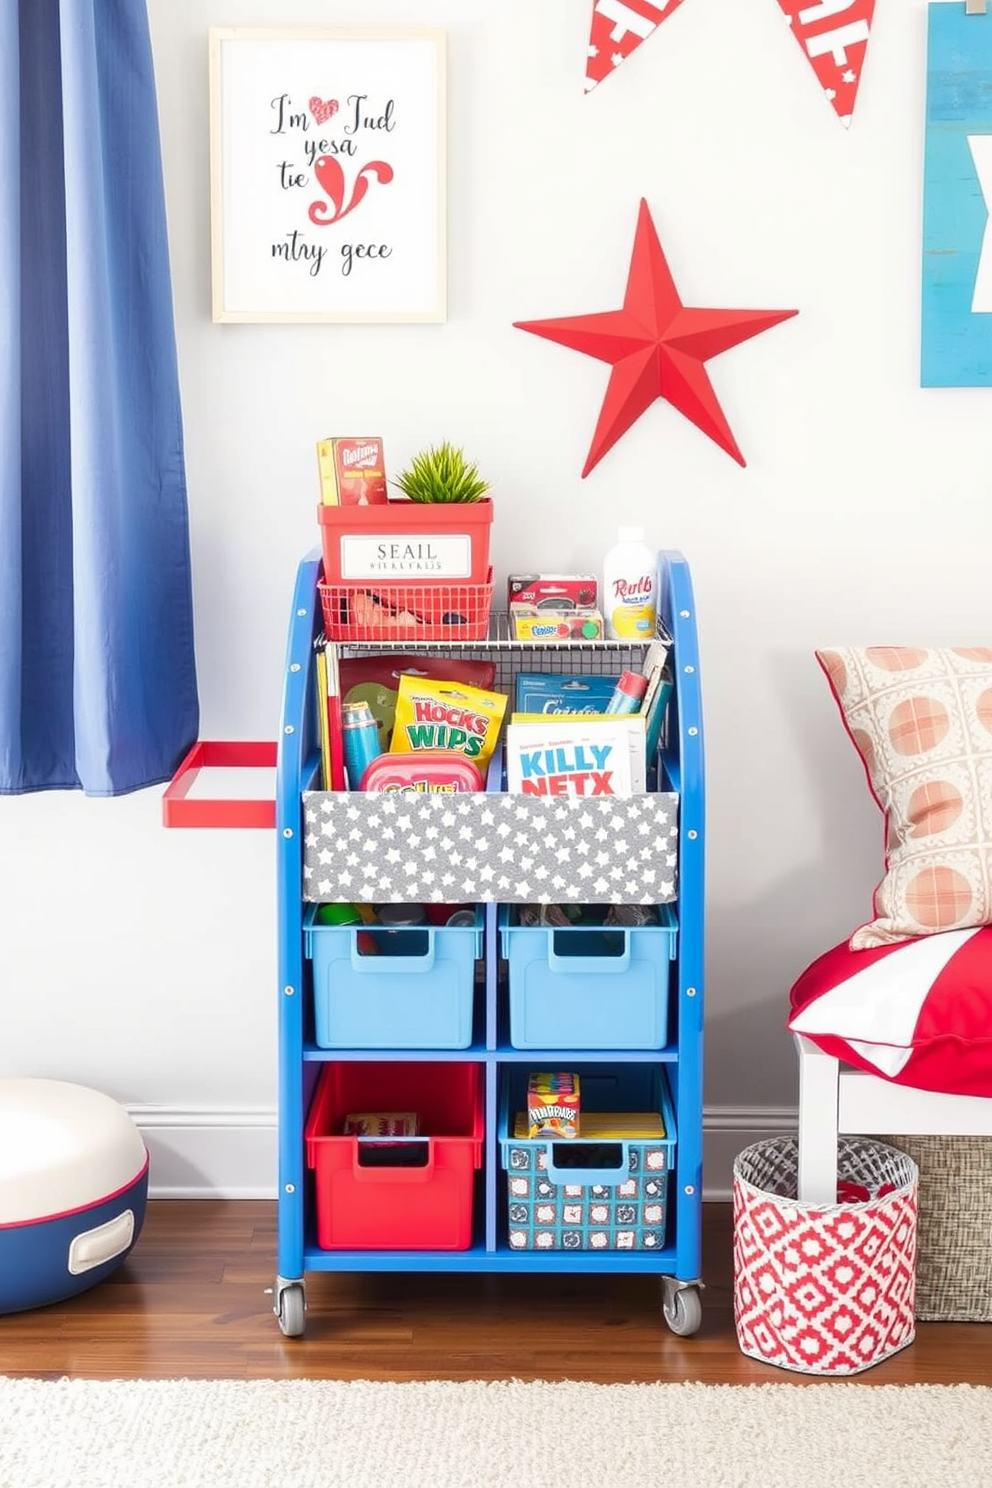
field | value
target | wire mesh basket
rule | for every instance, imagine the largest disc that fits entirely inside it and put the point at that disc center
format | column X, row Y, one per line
column 407, row 612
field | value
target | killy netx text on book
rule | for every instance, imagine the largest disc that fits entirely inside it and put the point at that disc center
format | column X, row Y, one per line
column 577, row 755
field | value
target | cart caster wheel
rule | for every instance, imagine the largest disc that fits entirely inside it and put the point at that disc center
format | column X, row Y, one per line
column 291, row 1311
column 683, row 1310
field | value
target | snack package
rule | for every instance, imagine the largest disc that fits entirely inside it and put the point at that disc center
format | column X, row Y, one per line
column 375, row 680
column 558, row 592
column 553, row 1105
column 551, row 692
column 531, row 624
column 441, row 715
column 352, row 472
column 381, row 1124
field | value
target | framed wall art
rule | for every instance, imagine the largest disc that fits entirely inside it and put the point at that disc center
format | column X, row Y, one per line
column 956, row 322
column 328, row 165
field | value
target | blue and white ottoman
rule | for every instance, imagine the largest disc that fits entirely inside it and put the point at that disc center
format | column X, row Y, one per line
column 73, row 1185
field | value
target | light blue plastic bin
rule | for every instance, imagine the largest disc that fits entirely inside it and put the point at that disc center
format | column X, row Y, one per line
column 422, row 1000
column 587, row 987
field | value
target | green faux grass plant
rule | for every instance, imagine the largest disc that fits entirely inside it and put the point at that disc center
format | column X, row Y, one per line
column 442, row 474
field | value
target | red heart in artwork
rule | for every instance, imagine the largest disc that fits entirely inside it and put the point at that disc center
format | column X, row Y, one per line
column 323, row 108
column 330, row 176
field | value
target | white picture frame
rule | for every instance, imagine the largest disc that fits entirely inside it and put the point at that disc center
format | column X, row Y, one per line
column 328, row 172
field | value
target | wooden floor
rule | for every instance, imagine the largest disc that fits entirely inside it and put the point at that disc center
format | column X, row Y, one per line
column 190, row 1302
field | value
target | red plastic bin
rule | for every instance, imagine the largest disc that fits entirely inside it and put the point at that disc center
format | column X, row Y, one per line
column 404, row 1194
column 407, row 541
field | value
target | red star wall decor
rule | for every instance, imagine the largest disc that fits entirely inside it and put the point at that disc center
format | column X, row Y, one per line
column 657, row 348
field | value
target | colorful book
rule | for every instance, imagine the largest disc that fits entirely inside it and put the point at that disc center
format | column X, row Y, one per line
column 323, row 723
column 575, row 755
column 329, row 719
column 654, row 704
column 352, row 472
column 334, row 719
column 606, row 1126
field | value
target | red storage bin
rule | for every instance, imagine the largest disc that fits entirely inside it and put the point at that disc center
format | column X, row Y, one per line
column 407, row 541
column 405, row 1193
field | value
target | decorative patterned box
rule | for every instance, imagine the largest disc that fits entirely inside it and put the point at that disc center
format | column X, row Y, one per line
column 621, row 1204
column 468, row 849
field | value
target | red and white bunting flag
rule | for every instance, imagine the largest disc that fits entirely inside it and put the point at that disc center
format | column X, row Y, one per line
column 618, row 28
column 834, row 36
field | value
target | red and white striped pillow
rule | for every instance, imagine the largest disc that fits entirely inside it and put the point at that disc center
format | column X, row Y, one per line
column 918, row 1013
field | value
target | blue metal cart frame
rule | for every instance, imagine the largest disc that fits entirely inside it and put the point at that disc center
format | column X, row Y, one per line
column 678, row 1264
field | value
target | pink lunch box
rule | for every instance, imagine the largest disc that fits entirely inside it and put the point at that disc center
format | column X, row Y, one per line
column 427, row 772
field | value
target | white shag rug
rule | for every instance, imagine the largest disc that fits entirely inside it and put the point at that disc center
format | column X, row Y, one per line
column 326, row 1434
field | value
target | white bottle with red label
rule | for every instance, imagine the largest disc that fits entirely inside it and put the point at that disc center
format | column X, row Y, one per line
column 630, row 588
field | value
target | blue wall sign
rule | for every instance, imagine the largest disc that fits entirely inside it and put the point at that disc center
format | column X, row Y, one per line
column 956, row 328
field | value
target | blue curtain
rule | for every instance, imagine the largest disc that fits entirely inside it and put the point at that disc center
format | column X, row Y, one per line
column 97, row 669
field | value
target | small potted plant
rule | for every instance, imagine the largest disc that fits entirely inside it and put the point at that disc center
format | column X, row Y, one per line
column 442, row 474
column 437, row 532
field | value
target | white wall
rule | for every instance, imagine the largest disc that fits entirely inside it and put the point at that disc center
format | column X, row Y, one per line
column 131, row 957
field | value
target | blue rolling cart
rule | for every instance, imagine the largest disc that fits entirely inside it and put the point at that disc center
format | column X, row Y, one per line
column 639, row 1210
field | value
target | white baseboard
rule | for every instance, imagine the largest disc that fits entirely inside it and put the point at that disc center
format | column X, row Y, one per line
column 727, row 1130
column 200, row 1152
column 204, row 1152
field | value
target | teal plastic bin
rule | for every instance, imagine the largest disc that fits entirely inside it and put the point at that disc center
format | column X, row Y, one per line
column 588, row 987
column 420, row 999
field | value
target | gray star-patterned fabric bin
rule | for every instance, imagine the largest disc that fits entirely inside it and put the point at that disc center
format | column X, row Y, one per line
column 466, row 849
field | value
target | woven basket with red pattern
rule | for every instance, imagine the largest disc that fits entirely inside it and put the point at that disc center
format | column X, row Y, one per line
column 825, row 1289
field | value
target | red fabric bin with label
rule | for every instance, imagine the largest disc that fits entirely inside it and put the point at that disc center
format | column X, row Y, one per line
column 413, row 1193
